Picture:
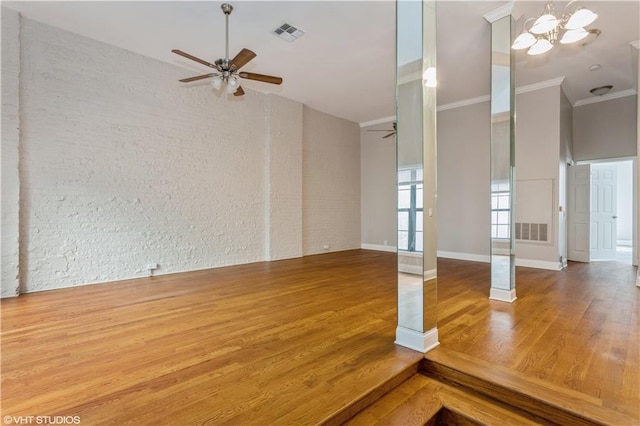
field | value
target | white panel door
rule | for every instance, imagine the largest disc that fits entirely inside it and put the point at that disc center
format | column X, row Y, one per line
column 578, row 213
column 603, row 212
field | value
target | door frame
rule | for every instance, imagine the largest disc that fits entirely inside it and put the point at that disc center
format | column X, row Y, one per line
column 634, row 201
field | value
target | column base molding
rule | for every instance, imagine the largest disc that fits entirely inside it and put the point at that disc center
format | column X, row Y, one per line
column 503, row 295
column 416, row 340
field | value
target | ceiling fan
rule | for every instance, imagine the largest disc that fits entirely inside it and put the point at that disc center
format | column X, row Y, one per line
column 392, row 131
column 227, row 71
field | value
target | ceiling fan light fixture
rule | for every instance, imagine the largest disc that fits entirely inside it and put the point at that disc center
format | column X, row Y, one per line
column 217, row 82
column 580, row 19
column 232, row 84
column 541, row 46
column 523, row 41
column 573, row 36
column 228, row 69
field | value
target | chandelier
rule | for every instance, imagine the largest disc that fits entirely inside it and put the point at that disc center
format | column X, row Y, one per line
column 545, row 31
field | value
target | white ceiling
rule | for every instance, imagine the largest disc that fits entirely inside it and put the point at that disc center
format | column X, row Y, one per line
column 345, row 63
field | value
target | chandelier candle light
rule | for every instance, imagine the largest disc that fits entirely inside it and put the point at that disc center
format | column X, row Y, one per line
column 544, row 32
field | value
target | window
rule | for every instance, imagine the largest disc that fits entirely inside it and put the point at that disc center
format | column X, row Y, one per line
column 410, row 209
column 500, row 210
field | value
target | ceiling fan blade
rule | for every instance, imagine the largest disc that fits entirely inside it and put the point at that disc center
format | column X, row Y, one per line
column 239, row 91
column 389, row 135
column 193, row 58
column 242, row 58
column 261, row 77
column 198, row 77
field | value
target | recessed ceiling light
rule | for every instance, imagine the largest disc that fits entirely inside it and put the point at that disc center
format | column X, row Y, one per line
column 595, row 67
column 602, row 90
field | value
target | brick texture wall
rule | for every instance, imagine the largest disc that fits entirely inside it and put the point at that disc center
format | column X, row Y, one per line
column 121, row 165
column 331, row 183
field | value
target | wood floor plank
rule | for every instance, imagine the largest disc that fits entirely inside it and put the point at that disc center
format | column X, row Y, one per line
column 573, row 332
column 249, row 344
column 306, row 341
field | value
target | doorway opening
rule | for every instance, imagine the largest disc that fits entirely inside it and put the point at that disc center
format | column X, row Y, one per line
column 612, row 211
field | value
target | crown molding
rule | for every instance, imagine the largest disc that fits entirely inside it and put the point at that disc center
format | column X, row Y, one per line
column 486, row 98
column 523, row 89
column 378, row 121
column 464, row 103
column 409, row 77
column 540, row 85
column 635, row 44
column 607, row 97
column 502, row 11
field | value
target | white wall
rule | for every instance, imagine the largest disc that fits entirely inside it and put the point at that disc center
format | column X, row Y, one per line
column 331, row 183
column 121, row 165
column 537, row 158
column 464, row 201
column 378, row 187
column 10, row 153
column 605, row 129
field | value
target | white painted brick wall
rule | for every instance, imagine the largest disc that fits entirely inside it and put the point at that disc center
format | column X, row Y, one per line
column 121, row 165
column 284, row 212
column 10, row 187
column 331, row 183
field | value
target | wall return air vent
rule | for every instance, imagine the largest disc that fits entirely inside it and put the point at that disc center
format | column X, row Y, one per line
column 289, row 32
column 532, row 232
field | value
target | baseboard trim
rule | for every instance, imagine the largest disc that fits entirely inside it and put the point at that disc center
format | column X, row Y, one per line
column 472, row 257
column 539, row 264
column 503, row 295
column 378, row 247
column 431, row 274
column 421, row 342
column 528, row 263
column 410, row 269
column 638, row 279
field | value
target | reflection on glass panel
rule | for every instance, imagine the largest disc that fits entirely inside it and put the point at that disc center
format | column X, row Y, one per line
column 502, row 148
column 403, row 240
column 404, row 197
column 415, row 37
column 404, row 176
column 419, row 236
column 403, row 221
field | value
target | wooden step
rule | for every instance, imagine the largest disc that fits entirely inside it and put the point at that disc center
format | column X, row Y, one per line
column 537, row 397
column 425, row 401
column 361, row 401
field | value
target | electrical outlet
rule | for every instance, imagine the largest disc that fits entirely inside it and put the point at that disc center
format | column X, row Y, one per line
column 326, row 247
column 152, row 266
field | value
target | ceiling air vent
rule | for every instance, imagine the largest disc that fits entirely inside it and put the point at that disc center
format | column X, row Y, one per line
column 288, row 32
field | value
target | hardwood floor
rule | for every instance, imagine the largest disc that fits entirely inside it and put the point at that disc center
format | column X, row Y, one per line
column 291, row 342
column 572, row 337
column 307, row 341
